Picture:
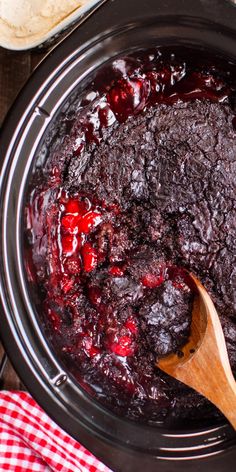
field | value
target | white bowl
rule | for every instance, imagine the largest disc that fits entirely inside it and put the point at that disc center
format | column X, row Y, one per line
column 25, row 24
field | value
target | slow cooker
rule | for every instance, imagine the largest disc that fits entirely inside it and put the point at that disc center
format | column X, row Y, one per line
column 196, row 29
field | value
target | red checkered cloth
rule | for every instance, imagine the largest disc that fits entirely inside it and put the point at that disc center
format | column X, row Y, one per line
column 30, row 441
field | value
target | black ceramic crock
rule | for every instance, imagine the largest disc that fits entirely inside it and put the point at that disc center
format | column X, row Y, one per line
column 206, row 27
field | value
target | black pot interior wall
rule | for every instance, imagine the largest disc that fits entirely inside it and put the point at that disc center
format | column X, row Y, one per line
column 36, row 114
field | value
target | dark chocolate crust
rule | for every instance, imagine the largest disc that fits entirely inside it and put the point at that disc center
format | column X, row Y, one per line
column 157, row 191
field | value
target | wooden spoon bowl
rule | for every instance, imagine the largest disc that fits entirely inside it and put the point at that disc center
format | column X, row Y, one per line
column 204, row 364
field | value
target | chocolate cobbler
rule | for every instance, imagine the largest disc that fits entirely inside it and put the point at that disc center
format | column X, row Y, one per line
column 136, row 183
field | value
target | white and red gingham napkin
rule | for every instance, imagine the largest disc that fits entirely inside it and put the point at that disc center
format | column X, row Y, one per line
column 30, row 441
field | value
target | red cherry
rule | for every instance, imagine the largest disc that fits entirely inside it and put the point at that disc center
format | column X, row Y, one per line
column 76, row 206
column 116, row 271
column 180, row 278
column 70, row 224
column 90, row 220
column 94, row 351
column 66, row 284
column 131, row 325
column 90, row 257
column 152, row 281
column 165, row 76
column 123, row 347
column 128, row 96
column 90, row 130
column 69, row 244
column 179, row 285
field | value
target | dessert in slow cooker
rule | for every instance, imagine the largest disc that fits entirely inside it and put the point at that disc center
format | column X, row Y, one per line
column 135, row 184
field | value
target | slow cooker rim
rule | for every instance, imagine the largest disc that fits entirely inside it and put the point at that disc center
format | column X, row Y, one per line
column 20, row 99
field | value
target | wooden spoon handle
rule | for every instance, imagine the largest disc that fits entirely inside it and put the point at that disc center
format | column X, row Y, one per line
column 226, row 402
column 209, row 371
column 207, row 375
column 205, row 365
column 224, row 396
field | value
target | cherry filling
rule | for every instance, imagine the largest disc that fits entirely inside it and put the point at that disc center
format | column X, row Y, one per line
column 125, row 206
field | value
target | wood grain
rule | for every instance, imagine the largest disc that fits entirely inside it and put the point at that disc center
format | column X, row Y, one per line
column 15, row 69
column 205, row 365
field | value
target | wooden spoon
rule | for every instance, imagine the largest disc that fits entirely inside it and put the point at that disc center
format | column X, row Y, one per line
column 204, row 365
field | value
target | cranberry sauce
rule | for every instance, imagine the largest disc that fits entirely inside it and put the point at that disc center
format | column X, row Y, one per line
column 138, row 186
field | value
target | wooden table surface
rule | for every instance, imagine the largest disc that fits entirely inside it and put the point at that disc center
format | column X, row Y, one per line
column 15, row 68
